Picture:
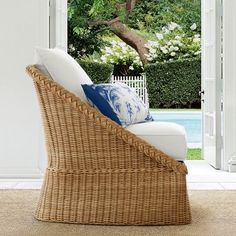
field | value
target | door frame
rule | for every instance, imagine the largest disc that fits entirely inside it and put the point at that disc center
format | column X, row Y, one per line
column 58, row 24
column 211, row 150
column 229, row 83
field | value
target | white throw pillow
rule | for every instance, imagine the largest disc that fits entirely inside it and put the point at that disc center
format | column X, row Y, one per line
column 64, row 69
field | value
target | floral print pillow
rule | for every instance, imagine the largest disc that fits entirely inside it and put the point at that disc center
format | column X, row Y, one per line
column 118, row 102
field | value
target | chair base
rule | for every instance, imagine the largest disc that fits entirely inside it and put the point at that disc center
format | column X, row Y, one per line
column 115, row 197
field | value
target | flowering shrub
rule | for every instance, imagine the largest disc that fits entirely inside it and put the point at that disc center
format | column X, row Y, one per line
column 172, row 43
column 123, row 57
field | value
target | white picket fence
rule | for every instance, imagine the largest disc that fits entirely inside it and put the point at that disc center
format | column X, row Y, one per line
column 138, row 83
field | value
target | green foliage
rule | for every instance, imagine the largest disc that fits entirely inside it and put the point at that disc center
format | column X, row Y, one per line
column 83, row 39
column 103, row 9
column 98, row 72
column 194, row 154
column 152, row 15
column 174, row 84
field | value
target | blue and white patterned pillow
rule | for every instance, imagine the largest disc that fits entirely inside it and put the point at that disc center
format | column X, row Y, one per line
column 118, row 102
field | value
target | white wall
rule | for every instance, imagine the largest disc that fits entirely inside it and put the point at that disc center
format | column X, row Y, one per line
column 24, row 24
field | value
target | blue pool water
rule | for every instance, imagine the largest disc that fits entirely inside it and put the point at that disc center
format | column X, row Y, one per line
column 190, row 120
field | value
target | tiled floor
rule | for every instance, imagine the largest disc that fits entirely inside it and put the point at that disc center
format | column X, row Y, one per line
column 201, row 177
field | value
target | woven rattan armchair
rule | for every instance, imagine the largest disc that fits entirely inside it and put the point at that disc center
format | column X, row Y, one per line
column 98, row 172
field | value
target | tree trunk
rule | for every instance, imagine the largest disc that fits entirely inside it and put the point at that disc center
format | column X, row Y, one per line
column 131, row 38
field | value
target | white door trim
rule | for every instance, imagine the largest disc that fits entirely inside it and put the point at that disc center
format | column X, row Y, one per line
column 229, row 81
column 211, row 82
column 58, row 24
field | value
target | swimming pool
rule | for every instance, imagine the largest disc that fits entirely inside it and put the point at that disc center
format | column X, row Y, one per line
column 190, row 120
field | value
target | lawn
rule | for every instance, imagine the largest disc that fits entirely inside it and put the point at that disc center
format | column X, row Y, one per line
column 175, row 110
column 194, row 154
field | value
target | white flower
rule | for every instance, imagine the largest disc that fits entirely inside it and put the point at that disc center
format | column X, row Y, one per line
column 177, row 37
column 151, row 44
column 171, row 59
column 196, row 40
column 176, row 49
column 159, row 36
column 173, row 26
column 174, row 41
column 197, row 35
column 193, row 26
column 177, row 42
column 122, row 44
column 103, row 58
column 108, row 50
column 131, row 68
column 164, row 50
column 165, row 30
column 171, row 48
column 113, row 43
column 146, row 45
column 197, row 53
column 173, row 54
column 152, row 50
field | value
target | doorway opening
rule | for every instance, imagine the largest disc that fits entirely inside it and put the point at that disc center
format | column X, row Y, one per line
column 183, row 68
column 165, row 34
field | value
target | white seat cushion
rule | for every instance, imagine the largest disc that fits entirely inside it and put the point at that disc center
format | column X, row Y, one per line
column 170, row 138
column 64, row 69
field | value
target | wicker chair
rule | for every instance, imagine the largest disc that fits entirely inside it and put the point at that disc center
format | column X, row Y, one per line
column 98, row 172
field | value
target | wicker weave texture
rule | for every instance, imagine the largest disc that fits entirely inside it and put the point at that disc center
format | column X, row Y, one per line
column 98, row 172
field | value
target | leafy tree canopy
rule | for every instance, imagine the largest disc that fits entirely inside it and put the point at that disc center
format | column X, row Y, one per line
column 151, row 16
column 131, row 20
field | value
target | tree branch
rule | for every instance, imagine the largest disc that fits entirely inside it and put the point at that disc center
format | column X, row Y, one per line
column 130, row 4
column 98, row 22
column 103, row 22
column 120, row 6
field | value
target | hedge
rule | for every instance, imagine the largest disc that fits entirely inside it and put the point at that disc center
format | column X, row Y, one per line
column 98, row 72
column 174, row 84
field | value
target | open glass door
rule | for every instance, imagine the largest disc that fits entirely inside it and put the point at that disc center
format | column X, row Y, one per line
column 211, row 81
